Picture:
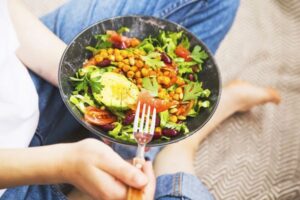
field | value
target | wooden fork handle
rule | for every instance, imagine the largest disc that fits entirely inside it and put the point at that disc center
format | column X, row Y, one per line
column 133, row 193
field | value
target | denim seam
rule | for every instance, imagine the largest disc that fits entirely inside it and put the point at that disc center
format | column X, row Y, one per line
column 176, row 6
column 174, row 184
column 179, row 184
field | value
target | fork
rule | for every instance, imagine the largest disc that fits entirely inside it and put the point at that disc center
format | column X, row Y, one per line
column 143, row 135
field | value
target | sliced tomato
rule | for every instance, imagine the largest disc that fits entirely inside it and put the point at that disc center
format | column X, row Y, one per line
column 183, row 52
column 160, row 105
column 120, row 41
column 99, row 117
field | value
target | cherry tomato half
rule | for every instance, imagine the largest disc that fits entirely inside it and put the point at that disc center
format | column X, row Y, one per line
column 160, row 105
column 97, row 116
column 182, row 52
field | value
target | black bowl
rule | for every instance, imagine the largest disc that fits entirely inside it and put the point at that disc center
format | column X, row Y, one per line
column 140, row 27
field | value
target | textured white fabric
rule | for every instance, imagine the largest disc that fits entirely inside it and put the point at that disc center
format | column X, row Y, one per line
column 19, row 111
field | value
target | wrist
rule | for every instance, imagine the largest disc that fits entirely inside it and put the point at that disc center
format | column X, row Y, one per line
column 65, row 163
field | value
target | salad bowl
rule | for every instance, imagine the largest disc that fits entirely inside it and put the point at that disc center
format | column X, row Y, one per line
column 140, row 27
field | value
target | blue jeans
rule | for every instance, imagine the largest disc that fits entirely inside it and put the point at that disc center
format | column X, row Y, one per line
column 210, row 20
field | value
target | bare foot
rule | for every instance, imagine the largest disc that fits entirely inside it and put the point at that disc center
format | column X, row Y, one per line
column 247, row 95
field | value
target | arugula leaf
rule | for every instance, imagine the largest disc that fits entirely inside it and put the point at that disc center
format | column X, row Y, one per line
column 80, row 101
column 123, row 29
column 185, row 67
column 147, row 44
column 192, row 113
column 122, row 133
column 102, row 41
column 151, row 85
column 185, row 42
column 169, row 41
column 205, row 93
column 164, row 117
column 178, row 60
column 198, row 55
column 204, row 104
column 184, row 70
column 116, row 130
column 192, row 91
column 179, row 127
column 153, row 60
column 88, row 77
column 92, row 49
column 165, row 138
column 175, row 36
column 94, row 81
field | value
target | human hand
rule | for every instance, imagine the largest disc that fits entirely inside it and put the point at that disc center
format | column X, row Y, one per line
column 150, row 187
column 95, row 169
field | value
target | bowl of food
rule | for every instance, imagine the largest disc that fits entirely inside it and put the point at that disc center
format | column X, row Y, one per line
column 115, row 63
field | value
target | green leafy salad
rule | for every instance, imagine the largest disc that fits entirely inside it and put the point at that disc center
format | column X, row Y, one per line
column 160, row 71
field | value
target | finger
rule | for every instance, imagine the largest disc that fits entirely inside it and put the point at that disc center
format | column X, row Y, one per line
column 101, row 185
column 150, row 188
column 113, row 164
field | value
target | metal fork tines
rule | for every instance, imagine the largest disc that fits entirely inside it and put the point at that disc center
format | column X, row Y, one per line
column 141, row 131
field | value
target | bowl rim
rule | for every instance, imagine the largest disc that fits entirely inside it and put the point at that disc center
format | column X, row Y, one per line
column 90, row 128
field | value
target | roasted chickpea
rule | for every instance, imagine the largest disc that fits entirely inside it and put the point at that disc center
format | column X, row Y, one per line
column 178, row 90
column 130, row 54
column 111, row 58
column 119, row 57
column 134, row 42
column 126, row 61
column 180, row 81
column 176, row 97
column 124, row 53
column 152, row 73
column 138, row 74
column 145, row 72
column 166, row 80
column 166, row 73
column 120, row 64
column 181, row 96
column 104, row 54
column 160, row 79
column 173, row 110
column 130, row 74
column 158, row 129
column 98, row 58
column 131, row 61
column 126, row 68
column 139, row 63
column 110, row 51
column 133, row 68
column 117, row 51
column 173, row 118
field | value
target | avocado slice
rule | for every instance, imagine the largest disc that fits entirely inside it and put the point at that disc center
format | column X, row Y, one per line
column 117, row 92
